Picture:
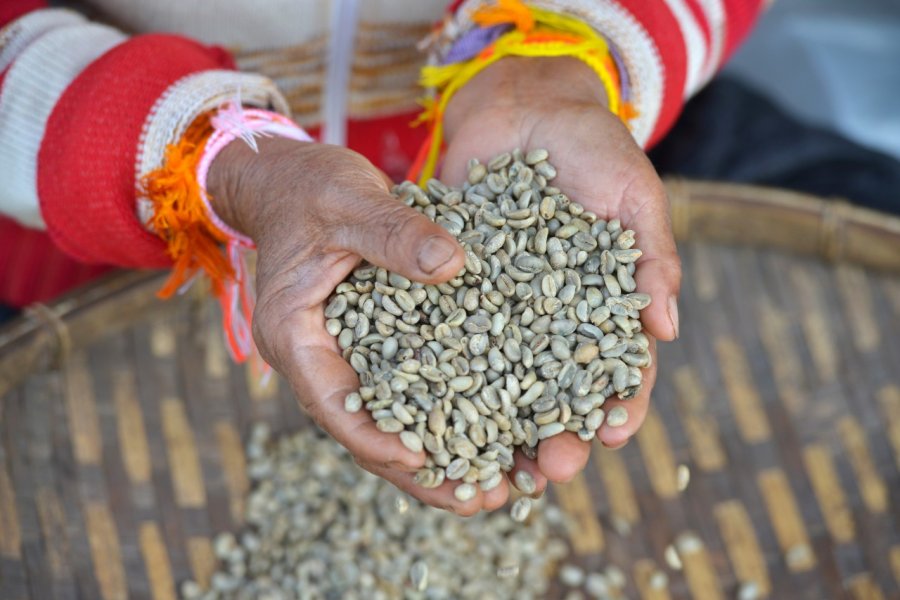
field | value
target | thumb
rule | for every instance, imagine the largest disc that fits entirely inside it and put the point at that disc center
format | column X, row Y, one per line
column 659, row 269
column 394, row 236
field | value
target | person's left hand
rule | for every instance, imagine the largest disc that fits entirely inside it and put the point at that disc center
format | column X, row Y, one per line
column 559, row 104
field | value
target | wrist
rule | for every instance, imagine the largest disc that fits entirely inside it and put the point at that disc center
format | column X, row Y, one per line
column 237, row 177
column 514, row 84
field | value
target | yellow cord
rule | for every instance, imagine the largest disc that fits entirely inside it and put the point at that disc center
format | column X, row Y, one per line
column 448, row 79
column 538, row 33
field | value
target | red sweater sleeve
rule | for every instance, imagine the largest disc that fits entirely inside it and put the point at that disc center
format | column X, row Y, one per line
column 86, row 165
column 694, row 39
column 11, row 10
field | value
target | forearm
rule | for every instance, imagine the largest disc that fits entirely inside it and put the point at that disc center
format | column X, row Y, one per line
column 239, row 177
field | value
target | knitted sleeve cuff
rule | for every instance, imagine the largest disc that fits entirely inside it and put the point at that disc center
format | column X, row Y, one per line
column 110, row 123
column 184, row 101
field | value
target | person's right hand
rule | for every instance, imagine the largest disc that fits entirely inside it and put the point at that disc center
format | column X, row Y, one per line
column 559, row 104
column 315, row 211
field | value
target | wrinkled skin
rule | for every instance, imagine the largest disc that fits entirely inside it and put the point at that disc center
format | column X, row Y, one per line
column 315, row 211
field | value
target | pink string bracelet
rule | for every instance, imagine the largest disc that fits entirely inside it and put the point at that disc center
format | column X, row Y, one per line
column 238, row 299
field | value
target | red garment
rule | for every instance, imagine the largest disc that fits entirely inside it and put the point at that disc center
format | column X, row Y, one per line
column 13, row 9
column 110, row 90
column 87, row 156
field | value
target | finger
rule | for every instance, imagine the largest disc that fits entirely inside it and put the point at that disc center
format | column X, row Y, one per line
column 496, row 497
column 443, row 495
column 562, row 456
column 392, row 235
column 523, row 463
column 637, row 407
column 659, row 269
column 617, row 446
column 321, row 378
column 439, row 497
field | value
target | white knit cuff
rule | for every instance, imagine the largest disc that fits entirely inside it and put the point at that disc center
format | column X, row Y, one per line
column 183, row 102
column 46, row 51
column 713, row 12
column 639, row 52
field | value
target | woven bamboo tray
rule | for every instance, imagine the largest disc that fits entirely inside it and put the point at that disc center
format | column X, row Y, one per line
column 122, row 420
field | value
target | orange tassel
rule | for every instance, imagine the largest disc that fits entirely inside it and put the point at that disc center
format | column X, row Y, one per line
column 415, row 168
column 628, row 112
column 505, row 12
column 179, row 217
column 543, row 37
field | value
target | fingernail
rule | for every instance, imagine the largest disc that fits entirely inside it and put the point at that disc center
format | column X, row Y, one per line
column 615, row 446
column 435, row 253
column 673, row 313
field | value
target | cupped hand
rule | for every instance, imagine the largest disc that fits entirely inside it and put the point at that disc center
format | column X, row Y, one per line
column 315, row 212
column 559, row 104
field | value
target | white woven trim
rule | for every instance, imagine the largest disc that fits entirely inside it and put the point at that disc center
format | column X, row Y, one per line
column 184, row 101
column 714, row 11
column 694, row 44
column 33, row 85
column 17, row 35
column 641, row 56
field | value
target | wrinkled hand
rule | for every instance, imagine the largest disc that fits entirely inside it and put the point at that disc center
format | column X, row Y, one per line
column 559, row 104
column 315, row 212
